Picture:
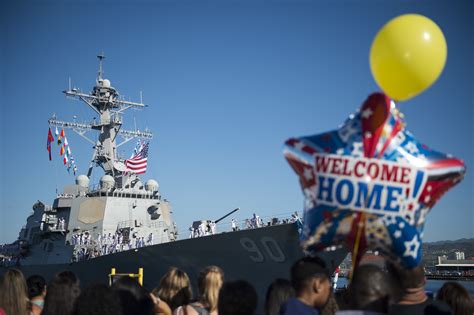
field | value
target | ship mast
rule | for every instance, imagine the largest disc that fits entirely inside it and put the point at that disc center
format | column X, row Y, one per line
column 106, row 102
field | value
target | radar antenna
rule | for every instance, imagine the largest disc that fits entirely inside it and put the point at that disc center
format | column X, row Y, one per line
column 101, row 57
column 105, row 101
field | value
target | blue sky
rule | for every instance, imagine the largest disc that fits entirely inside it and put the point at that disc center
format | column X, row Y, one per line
column 227, row 83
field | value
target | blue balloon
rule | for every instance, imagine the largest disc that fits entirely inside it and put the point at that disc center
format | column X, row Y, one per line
column 370, row 178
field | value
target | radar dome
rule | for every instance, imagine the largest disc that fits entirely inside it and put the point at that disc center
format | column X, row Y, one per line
column 106, row 83
column 151, row 185
column 107, row 182
column 82, row 181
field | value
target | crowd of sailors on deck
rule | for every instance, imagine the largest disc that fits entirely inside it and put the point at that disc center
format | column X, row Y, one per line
column 256, row 221
column 203, row 229
column 61, row 226
column 86, row 248
column 9, row 261
column 374, row 290
column 209, row 227
column 58, row 226
column 9, row 254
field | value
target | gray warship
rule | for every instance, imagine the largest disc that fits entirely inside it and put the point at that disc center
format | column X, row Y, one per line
column 85, row 217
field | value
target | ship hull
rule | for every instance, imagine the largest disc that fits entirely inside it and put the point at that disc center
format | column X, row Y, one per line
column 256, row 255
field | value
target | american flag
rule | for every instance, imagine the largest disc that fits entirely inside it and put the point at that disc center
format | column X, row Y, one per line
column 137, row 163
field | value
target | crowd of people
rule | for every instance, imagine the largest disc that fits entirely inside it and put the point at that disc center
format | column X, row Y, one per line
column 206, row 228
column 87, row 247
column 372, row 291
column 256, row 221
column 9, row 254
column 9, row 261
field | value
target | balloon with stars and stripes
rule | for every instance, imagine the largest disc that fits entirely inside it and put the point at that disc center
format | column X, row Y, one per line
column 370, row 183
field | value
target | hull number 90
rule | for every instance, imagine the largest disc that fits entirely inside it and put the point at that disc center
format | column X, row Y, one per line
column 269, row 249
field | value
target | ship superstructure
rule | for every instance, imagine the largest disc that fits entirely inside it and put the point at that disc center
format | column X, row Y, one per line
column 119, row 213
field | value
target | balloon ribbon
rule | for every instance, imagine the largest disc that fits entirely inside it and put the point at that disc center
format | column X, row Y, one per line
column 355, row 252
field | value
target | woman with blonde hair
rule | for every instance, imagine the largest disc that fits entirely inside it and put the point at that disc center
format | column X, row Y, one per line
column 210, row 281
column 174, row 288
column 14, row 294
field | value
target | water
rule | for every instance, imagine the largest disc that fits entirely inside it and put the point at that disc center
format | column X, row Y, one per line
column 431, row 285
column 435, row 285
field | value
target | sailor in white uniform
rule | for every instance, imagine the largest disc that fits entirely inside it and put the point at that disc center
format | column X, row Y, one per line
column 63, row 224
column 256, row 221
column 213, row 228
column 248, row 224
column 150, row 239
column 43, row 221
column 202, row 229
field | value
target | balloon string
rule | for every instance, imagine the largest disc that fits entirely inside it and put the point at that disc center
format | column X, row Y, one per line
column 360, row 225
column 355, row 252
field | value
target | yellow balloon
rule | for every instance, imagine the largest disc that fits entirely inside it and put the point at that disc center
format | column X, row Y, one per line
column 407, row 55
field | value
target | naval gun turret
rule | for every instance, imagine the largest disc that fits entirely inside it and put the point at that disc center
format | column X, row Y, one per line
column 207, row 227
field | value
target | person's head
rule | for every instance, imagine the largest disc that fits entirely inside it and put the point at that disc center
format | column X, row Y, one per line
column 278, row 293
column 175, row 288
column 67, row 275
column 13, row 292
column 457, row 297
column 371, row 289
column 237, row 298
column 134, row 298
column 97, row 299
column 311, row 280
column 210, row 281
column 36, row 286
column 62, row 293
column 407, row 278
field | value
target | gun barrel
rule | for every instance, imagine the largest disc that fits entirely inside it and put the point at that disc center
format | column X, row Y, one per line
column 228, row 214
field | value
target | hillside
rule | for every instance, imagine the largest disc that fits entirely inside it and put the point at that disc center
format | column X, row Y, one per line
column 431, row 251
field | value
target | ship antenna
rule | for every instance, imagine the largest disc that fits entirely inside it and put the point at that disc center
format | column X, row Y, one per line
column 101, row 57
column 105, row 101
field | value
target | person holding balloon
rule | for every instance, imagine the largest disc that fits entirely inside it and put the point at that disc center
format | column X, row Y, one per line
column 413, row 298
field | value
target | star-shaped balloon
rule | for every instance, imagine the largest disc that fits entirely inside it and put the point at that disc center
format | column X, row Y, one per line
column 370, row 183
